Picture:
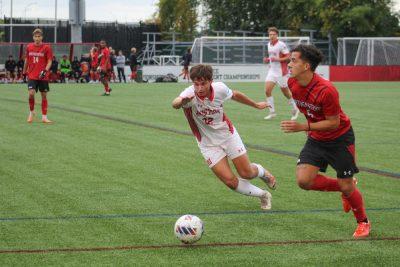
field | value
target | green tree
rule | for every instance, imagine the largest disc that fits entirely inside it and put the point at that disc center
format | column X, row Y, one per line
column 179, row 16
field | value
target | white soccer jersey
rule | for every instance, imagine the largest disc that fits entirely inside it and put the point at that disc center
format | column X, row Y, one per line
column 206, row 116
column 277, row 50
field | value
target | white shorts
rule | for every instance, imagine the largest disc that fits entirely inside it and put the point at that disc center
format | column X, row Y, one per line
column 279, row 79
column 232, row 148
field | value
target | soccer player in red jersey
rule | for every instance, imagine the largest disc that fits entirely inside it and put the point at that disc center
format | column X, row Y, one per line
column 104, row 67
column 94, row 62
column 330, row 135
column 37, row 65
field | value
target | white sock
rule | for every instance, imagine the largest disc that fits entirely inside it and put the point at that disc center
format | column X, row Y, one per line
column 246, row 188
column 44, row 117
column 261, row 172
column 293, row 104
column 270, row 101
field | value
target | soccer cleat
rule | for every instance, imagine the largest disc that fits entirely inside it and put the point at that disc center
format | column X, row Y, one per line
column 270, row 116
column 105, row 94
column 47, row 121
column 30, row 117
column 295, row 114
column 345, row 202
column 269, row 179
column 266, row 201
column 362, row 230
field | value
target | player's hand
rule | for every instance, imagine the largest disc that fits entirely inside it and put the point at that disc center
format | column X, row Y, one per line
column 98, row 69
column 42, row 74
column 293, row 126
column 266, row 60
column 262, row 105
column 186, row 100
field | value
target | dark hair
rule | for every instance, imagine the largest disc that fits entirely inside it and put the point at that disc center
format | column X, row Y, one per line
column 37, row 31
column 309, row 53
column 273, row 29
column 201, row 71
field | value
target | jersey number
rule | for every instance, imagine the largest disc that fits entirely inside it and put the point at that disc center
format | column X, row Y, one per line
column 35, row 59
column 208, row 121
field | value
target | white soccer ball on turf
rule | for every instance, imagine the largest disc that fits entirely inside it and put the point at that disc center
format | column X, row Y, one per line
column 189, row 229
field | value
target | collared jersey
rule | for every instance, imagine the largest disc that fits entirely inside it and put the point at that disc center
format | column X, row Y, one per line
column 37, row 57
column 206, row 116
column 316, row 101
column 278, row 50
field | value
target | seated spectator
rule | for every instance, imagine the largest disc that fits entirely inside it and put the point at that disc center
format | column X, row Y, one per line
column 10, row 68
column 76, row 69
column 54, row 73
column 65, row 68
column 20, row 68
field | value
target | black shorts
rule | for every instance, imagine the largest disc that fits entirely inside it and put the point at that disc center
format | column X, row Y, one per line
column 339, row 153
column 42, row 86
column 105, row 75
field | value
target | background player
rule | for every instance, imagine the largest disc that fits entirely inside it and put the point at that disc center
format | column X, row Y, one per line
column 330, row 135
column 278, row 56
column 104, row 68
column 217, row 138
column 37, row 65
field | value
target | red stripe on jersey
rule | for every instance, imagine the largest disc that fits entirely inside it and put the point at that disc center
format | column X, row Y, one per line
column 352, row 150
column 228, row 121
column 284, row 65
column 192, row 123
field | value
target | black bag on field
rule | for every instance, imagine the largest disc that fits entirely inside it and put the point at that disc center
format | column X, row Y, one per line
column 169, row 78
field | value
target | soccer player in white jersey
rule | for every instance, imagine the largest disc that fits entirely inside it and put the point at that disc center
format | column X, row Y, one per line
column 278, row 57
column 217, row 138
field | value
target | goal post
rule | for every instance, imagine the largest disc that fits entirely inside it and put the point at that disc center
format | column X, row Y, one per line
column 236, row 50
column 368, row 51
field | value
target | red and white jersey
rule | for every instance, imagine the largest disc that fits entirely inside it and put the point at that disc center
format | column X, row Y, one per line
column 37, row 57
column 276, row 50
column 206, row 116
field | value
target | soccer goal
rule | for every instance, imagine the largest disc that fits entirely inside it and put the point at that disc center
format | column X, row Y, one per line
column 236, row 50
column 369, row 51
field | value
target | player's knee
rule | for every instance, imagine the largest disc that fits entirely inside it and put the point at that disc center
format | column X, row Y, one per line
column 346, row 186
column 304, row 182
column 232, row 183
column 247, row 173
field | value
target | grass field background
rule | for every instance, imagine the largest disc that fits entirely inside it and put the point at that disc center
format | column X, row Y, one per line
column 118, row 171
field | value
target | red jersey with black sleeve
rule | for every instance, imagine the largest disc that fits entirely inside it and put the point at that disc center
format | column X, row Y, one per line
column 38, row 56
column 104, row 56
column 317, row 100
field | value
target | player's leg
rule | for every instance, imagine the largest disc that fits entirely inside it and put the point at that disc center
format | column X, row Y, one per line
column 32, row 87
column 44, row 88
column 104, row 81
column 269, row 86
column 223, row 171
column 282, row 82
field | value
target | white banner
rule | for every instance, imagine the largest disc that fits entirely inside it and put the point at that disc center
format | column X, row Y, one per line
column 226, row 73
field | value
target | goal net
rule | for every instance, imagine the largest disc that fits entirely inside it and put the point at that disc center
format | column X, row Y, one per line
column 369, row 51
column 236, row 50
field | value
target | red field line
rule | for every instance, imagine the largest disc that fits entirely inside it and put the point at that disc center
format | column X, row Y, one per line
column 182, row 246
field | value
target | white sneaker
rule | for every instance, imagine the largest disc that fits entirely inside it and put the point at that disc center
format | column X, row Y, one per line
column 269, row 179
column 295, row 114
column 266, row 201
column 270, row 116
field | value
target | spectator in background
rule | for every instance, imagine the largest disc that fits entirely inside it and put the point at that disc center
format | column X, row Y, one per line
column 54, row 74
column 187, row 58
column 85, row 68
column 121, row 66
column 133, row 63
column 94, row 62
column 113, row 60
column 65, row 68
column 20, row 67
column 76, row 69
column 10, row 68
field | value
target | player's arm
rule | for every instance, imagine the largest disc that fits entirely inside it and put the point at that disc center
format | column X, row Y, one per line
column 331, row 123
column 242, row 98
column 284, row 58
column 25, row 68
column 181, row 101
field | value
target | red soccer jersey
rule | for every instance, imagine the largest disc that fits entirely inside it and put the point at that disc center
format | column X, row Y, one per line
column 316, row 101
column 38, row 56
column 95, row 59
column 105, row 58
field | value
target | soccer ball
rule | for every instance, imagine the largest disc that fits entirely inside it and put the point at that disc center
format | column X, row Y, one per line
column 189, row 229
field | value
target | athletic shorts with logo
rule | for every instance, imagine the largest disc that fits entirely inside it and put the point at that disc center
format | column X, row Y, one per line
column 41, row 85
column 338, row 153
column 233, row 148
column 277, row 78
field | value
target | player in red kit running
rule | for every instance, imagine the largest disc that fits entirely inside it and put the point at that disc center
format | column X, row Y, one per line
column 104, row 67
column 330, row 135
column 37, row 65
